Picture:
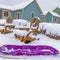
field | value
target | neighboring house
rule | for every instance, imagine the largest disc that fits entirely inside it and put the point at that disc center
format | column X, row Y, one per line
column 43, row 18
column 57, row 10
column 52, row 17
column 27, row 10
column 5, row 12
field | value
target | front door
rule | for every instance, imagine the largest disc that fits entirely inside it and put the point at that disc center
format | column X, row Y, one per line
column 18, row 15
column 0, row 14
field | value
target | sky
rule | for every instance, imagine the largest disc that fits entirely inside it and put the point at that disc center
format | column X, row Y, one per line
column 44, row 4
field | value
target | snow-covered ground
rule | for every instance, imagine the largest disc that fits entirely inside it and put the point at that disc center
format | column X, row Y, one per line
column 44, row 40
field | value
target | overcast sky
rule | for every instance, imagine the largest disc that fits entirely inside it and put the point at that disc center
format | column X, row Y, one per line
column 44, row 4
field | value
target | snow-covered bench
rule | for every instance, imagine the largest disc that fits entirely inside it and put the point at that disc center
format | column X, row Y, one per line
column 51, row 29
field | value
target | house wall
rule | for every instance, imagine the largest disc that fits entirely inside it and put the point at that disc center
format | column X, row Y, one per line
column 0, row 14
column 26, row 13
column 15, row 14
column 49, row 17
column 9, row 14
column 57, row 10
column 43, row 18
column 56, row 19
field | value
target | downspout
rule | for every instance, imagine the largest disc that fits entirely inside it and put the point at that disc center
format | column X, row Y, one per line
column 1, row 14
column 22, row 13
column 52, row 19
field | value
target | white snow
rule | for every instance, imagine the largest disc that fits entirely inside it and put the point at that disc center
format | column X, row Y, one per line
column 22, row 5
column 54, row 14
column 2, row 21
column 21, row 33
column 20, row 22
column 15, row 22
column 37, row 17
column 44, row 40
column 2, row 27
column 52, row 28
column 20, row 26
column 42, row 5
column 7, row 24
column 5, row 6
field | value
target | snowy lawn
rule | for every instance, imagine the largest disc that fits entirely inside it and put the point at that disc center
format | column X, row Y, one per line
column 44, row 40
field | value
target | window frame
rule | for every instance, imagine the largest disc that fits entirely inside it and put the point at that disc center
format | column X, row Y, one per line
column 32, row 14
column 6, row 13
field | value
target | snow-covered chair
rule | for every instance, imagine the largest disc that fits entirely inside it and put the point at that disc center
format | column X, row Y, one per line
column 21, row 24
column 24, row 36
column 34, row 27
column 6, row 31
column 9, row 23
column 23, row 27
column 34, row 24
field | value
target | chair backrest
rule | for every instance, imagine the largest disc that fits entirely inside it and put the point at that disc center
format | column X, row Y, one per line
column 9, row 20
column 35, row 22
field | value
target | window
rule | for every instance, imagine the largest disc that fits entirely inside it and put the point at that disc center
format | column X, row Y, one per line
column 18, row 14
column 32, row 14
column 55, row 19
column 6, row 14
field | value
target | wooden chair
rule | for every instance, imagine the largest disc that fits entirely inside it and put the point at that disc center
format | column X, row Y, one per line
column 27, row 29
column 6, row 31
column 9, row 22
column 35, row 23
column 27, row 38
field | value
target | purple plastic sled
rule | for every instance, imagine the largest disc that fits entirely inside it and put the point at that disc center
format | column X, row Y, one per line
column 15, row 50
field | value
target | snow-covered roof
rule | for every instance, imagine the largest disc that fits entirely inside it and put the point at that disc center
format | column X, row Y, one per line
column 42, row 5
column 22, row 5
column 53, row 13
column 16, row 7
column 37, row 18
column 58, row 6
column 5, row 7
column 45, row 12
